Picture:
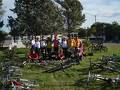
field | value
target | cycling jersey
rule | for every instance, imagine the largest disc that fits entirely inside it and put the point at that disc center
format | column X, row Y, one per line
column 56, row 43
column 72, row 43
column 43, row 44
column 37, row 44
column 49, row 44
column 64, row 44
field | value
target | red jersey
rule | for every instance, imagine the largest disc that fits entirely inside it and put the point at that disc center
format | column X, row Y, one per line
column 61, row 55
column 33, row 56
column 56, row 43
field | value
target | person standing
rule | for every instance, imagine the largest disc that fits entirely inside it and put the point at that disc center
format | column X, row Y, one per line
column 64, row 45
column 37, row 46
column 78, row 42
column 43, row 48
column 33, row 43
column 69, row 41
column 49, row 47
column 79, row 53
column 56, row 45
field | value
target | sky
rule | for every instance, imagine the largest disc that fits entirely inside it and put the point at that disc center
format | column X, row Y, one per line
column 105, row 11
column 7, row 5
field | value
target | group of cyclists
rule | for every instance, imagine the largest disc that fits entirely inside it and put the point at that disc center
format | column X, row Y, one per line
column 47, row 49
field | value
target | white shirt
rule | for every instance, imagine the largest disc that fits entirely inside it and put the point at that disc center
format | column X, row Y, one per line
column 37, row 44
column 33, row 42
column 64, row 44
column 43, row 44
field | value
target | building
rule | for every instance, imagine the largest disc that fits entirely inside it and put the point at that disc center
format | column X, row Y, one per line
column 10, row 42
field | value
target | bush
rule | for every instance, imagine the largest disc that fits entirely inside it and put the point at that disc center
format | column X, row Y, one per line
column 1, row 85
column 2, row 55
column 3, row 48
column 87, row 43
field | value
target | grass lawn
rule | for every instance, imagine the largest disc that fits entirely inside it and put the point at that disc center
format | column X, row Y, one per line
column 2, row 55
column 71, row 78
column 66, row 79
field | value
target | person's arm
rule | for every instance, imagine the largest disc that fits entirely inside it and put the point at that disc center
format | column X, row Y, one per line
column 29, row 56
column 60, row 43
column 81, row 50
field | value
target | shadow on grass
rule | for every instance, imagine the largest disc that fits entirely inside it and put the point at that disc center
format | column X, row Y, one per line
column 95, row 85
column 83, row 71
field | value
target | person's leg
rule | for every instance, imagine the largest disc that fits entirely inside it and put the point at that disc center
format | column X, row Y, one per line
column 49, row 52
column 56, row 51
column 43, row 53
column 32, row 47
column 32, row 60
column 37, row 50
column 65, row 52
column 41, row 50
column 79, row 59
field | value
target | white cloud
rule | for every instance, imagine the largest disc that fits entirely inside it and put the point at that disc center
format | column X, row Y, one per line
column 7, row 5
column 105, row 10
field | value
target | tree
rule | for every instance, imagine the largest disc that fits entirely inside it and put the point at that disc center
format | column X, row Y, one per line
column 1, row 13
column 97, row 29
column 2, row 37
column 1, row 24
column 36, row 17
column 116, row 29
column 72, row 11
column 2, row 34
column 13, row 24
column 110, row 31
column 1, row 10
column 82, row 33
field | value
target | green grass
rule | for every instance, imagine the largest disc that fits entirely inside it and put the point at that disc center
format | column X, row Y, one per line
column 67, row 79
column 2, row 55
column 21, row 50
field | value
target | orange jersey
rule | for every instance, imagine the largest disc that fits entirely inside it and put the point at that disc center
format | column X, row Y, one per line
column 69, row 42
column 78, row 42
column 73, row 43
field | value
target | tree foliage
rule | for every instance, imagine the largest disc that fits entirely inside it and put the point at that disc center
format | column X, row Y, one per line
column 72, row 11
column 2, row 34
column 110, row 31
column 13, row 24
column 1, row 10
column 82, row 33
column 1, row 13
column 37, row 16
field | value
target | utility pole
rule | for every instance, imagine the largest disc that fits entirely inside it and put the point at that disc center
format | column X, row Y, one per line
column 95, row 18
column 95, row 25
